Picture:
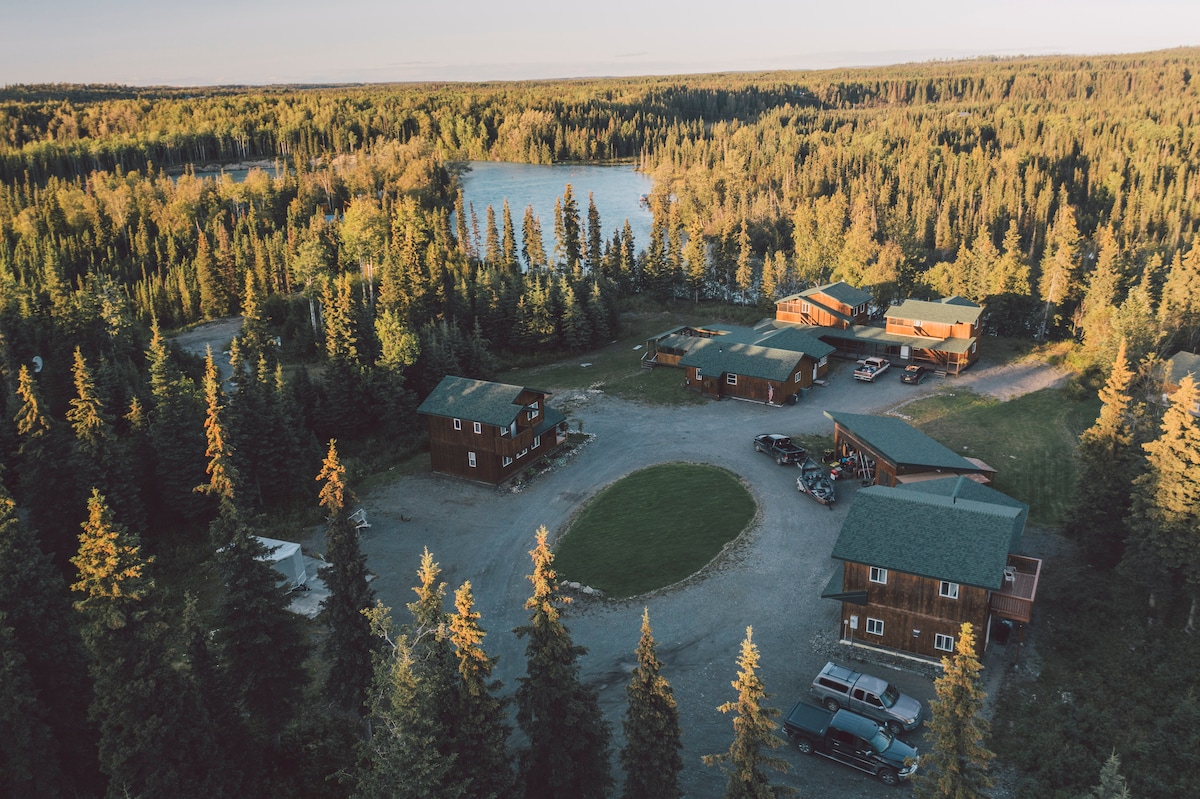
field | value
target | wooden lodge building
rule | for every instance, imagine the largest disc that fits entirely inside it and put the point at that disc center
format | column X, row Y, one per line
column 489, row 432
column 888, row 451
column 942, row 334
column 770, row 363
column 918, row 560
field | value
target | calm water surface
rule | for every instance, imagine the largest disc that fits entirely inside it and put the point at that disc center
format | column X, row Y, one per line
column 616, row 190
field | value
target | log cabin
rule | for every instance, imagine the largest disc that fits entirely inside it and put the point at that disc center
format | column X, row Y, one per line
column 918, row 560
column 489, row 432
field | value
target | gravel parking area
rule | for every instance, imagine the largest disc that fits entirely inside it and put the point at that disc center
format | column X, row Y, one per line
column 770, row 578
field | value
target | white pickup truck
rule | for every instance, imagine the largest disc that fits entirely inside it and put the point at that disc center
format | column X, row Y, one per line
column 871, row 368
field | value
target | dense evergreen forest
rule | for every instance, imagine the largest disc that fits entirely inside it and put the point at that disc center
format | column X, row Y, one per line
column 1062, row 193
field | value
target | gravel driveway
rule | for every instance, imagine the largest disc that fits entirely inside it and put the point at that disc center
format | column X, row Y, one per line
column 770, row 578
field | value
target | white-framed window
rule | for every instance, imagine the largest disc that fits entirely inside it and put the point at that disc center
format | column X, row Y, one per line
column 916, row 323
column 945, row 643
column 478, row 428
column 458, row 424
column 698, row 375
column 973, row 343
column 805, row 307
column 796, row 378
column 523, row 453
column 878, row 575
column 948, row 589
column 533, row 412
column 503, row 431
column 823, row 361
column 471, row 459
column 731, row 379
column 507, row 461
column 537, row 441
column 874, row 626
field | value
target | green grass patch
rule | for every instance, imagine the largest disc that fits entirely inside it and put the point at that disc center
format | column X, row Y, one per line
column 1030, row 441
column 654, row 527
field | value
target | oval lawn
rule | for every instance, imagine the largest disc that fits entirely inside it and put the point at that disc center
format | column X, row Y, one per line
column 654, row 527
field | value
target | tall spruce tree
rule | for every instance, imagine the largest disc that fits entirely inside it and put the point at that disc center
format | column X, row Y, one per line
column 568, row 750
column 177, row 435
column 411, row 752
column 956, row 762
column 52, row 751
column 651, row 757
column 754, row 736
column 1164, row 519
column 350, row 644
column 481, row 730
column 1107, row 467
column 156, row 736
column 1112, row 784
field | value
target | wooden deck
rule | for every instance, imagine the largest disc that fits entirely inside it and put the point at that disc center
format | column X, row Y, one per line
column 1015, row 598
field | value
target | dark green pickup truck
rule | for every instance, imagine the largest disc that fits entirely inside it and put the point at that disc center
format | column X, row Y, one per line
column 852, row 739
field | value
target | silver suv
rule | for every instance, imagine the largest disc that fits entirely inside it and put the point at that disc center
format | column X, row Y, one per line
column 839, row 687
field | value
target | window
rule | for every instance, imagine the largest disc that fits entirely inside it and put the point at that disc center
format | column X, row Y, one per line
column 503, row 431
column 478, row 428
column 943, row 642
column 458, row 424
column 916, row 323
column 533, row 412
column 471, row 459
column 537, row 441
column 796, row 378
column 731, row 379
column 698, row 375
column 823, row 361
column 878, row 575
column 523, row 453
column 507, row 461
column 805, row 307
column 948, row 590
column 874, row 626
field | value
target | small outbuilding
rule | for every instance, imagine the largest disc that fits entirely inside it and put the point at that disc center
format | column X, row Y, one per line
column 287, row 558
column 888, row 451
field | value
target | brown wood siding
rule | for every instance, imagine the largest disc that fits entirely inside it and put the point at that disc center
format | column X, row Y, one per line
column 449, row 448
column 907, row 603
column 792, row 311
column 750, row 388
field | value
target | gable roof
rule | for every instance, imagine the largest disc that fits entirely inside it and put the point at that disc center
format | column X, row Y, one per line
column 478, row 400
column 954, row 311
column 794, row 337
column 1182, row 364
column 901, row 443
column 965, row 488
column 715, row 356
column 841, row 291
column 930, row 535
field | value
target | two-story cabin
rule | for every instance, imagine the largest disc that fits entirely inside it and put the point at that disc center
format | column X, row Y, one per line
column 944, row 334
column 489, row 431
column 919, row 560
column 837, row 305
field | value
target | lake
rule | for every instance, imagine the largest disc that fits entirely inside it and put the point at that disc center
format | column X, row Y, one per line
column 617, row 191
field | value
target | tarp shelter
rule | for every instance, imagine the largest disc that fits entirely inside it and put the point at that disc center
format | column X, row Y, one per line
column 287, row 559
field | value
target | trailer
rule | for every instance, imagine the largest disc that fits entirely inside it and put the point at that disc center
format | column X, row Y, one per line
column 287, row 559
column 816, row 482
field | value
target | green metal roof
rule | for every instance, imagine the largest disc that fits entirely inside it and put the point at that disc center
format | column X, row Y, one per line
column 945, row 313
column 715, row 356
column 1181, row 364
column 929, row 535
column 877, row 335
column 901, row 443
column 956, row 345
column 477, row 400
column 797, row 338
column 965, row 488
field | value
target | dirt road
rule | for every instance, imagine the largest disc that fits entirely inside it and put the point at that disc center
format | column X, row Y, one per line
column 770, row 578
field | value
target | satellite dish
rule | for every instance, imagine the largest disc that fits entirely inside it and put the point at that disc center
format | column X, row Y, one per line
column 37, row 363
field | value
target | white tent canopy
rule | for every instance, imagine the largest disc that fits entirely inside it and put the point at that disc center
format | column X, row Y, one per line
column 286, row 557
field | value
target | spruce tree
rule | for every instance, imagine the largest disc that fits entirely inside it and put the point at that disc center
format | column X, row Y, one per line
column 754, row 735
column 1165, row 509
column 481, row 731
column 350, row 644
column 652, row 734
column 956, row 762
column 156, row 736
column 1112, row 784
column 53, row 750
column 410, row 752
column 1107, row 466
column 568, row 750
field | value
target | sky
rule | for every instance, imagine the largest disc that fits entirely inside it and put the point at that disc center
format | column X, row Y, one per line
column 258, row 42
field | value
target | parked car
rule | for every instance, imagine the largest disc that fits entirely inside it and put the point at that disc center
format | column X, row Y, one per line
column 780, row 448
column 914, row 374
column 852, row 739
column 839, row 687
